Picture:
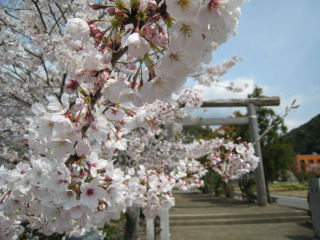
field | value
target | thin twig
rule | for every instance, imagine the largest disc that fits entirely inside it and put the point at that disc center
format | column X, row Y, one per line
column 64, row 77
column 20, row 100
column 62, row 12
column 35, row 2
column 56, row 21
column 279, row 120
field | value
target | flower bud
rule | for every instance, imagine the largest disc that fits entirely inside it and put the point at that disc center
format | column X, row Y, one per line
column 120, row 13
column 73, row 84
column 111, row 11
column 91, row 21
column 95, row 6
column 156, row 17
column 94, row 30
column 117, row 42
column 153, row 5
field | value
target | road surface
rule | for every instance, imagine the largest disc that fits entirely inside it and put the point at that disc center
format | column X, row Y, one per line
column 301, row 203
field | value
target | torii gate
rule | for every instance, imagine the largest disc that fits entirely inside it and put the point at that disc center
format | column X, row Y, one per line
column 250, row 103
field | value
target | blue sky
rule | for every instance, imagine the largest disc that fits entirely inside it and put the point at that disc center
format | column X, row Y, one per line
column 280, row 43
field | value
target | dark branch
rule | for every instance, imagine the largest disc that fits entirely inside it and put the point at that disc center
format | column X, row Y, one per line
column 35, row 2
column 62, row 12
column 118, row 54
column 20, row 100
column 56, row 21
column 64, row 77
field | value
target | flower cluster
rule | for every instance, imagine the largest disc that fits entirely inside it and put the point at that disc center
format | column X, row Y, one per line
column 211, row 74
column 189, row 174
column 122, row 64
column 151, row 189
column 57, row 199
column 232, row 160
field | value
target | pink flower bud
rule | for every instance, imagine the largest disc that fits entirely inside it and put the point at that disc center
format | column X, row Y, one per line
column 73, row 84
column 213, row 4
column 91, row 21
column 120, row 13
column 94, row 30
column 95, row 6
column 156, row 17
column 99, row 35
column 153, row 5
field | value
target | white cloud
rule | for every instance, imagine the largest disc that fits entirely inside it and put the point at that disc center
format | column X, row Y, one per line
column 220, row 91
column 292, row 123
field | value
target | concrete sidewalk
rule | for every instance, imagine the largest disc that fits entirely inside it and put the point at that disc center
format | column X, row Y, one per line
column 204, row 217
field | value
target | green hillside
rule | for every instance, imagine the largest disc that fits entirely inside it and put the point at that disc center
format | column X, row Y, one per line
column 306, row 138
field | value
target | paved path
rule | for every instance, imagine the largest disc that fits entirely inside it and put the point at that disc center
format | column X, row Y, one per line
column 280, row 231
column 301, row 203
column 205, row 217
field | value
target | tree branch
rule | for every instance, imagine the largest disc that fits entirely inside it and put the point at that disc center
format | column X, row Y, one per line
column 56, row 21
column 35, row 2
column 64, row 77
column 62, row 12
column 20, row 100
column 118, row 54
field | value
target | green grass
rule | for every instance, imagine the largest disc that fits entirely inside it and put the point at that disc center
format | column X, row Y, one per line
column 291, row 189
column 288, row 186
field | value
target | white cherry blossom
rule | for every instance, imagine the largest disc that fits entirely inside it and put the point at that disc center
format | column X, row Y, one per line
column 137, row 46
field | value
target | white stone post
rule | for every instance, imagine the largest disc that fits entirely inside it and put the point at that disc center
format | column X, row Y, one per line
column 150, row 228
column 164, row 224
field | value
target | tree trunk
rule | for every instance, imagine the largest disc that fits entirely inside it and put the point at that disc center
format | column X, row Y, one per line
column 268, row 192
column 132, row 224
column 228, row 190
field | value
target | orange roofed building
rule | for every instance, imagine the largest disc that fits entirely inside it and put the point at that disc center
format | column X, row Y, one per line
column 307, row 163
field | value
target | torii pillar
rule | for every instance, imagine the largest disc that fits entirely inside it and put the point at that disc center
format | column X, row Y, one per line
column 262, row 197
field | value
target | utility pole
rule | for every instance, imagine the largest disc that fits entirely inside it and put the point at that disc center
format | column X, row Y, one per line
column 259, row 173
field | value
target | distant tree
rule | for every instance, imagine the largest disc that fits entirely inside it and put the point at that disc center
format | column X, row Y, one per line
column 232, row 132
column 266, row 118
column 277, row 159
column 196, row 132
